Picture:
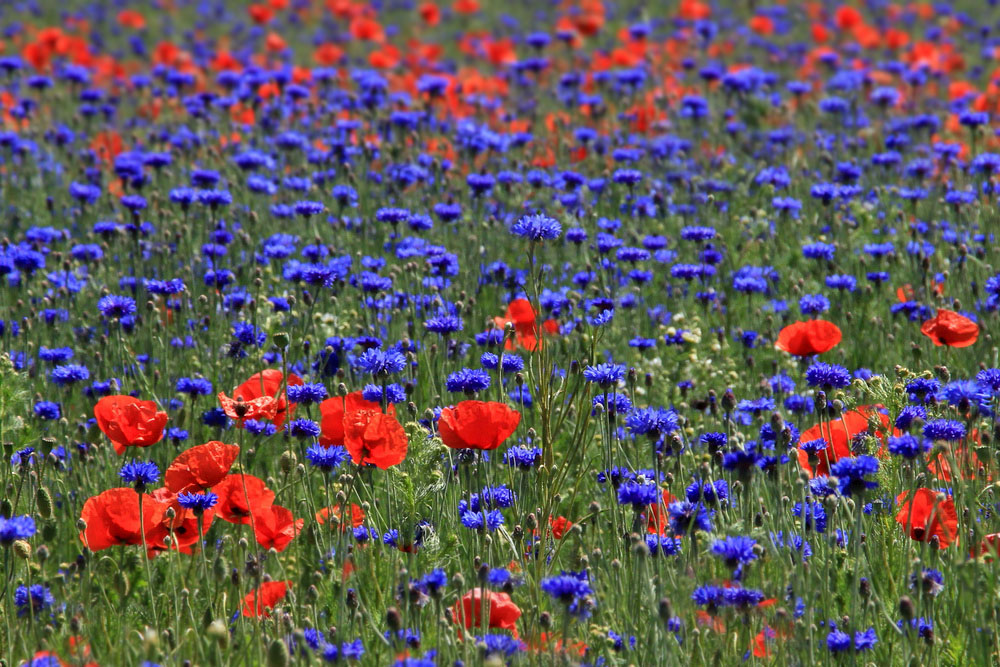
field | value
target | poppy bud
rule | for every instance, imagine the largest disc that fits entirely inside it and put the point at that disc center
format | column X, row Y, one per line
column 43, row 500
column 393, row 619
column 22, row 549
column 287, row 462
column 665, row 609
column 906, row 608
column 277, row 654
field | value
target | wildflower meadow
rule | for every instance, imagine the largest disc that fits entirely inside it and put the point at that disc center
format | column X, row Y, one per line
column 482, row 333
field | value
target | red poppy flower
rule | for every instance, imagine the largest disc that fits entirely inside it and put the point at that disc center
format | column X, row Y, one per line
column 129, row 422
column 332, row 412
column 762, row 25
column 112, row 518
column 430, row 13
column 989, row 547
column 260, row 602
column 200, row 467
column 328, row 54
column 376, row 438
column 522, row 315
column 804, row 339
column 268, row 383
column 657, row 516
column 951, row 329
column 560, row 526
column 367, row 30
column 261, row 408
column 129, row 18
column 503, row 613
column 847, row 17
column 357, row 516
column 236, row 504
column 260, row 14
column 275, row 527
column 477, row 424
column 965, row 459
column 929, row 515
column 182, row 528
column 838, row 434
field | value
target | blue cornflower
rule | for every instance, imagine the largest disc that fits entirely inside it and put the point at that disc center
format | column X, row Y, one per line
column 382, row 363
column 686, row 516
column 68, row 374
column 638, row 495
column 199, row 502
column 813, row 515
column 908, row 414
column 444, row 325
column 567, row 587
column 303, row 429
column 327, row 458
column 813, row 304
column 989, row 379
column 537, row 227
column 908, row 447
column 193, row 386
column 114, row 305
column 851, row 474
column 140, row 473
column 16, row 528
column 307, row 394
column 735, row 551
column 827, row 376
column 652, row 421
column 469, row 381
column 709, row 493
column 944, row 429
column 38, row 597
column 605, row 375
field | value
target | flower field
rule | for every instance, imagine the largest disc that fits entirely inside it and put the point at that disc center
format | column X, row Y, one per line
column 499, row 333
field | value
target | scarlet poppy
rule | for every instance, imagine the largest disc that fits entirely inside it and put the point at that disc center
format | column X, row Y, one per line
column 804, row 339
column 376, row 438
column 762, row 25
column 182, row 527
column 332, row 412
column 477, row 424
column 847, row 17
column 503, row 613
column 328, row 54
column 367, row 30
column 838, row 434
column 261, row 408
column 951, row 329
column 357, row 516
column 430, row 13
column 200, row 467
column 129, row 422
column 275, row 527
column 260, row 602
column 928, row 515
column 260, row 14
column 129, row 18
column 112, row 518
column 268, row 383
column 560, row 526
column 240, row 497
column 522, row 315
column 657, row 516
